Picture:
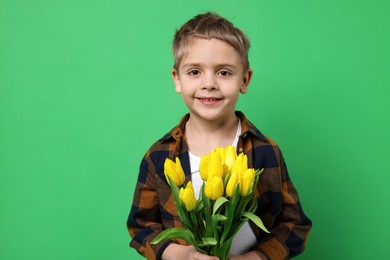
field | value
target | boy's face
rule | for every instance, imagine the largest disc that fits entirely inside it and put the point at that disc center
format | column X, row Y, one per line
column 210, row 78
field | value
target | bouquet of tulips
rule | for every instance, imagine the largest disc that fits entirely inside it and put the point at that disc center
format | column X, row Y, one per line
column 226, row 201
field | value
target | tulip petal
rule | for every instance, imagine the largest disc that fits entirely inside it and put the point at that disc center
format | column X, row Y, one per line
column 214, row 187
column 230, row 156
column 231, row 185
column 179, row 172
column 169, row 169
column 247, row 181
column 203, row 167
column 215, row 164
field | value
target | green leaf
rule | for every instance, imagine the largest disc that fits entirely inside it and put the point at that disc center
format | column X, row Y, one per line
column 209, row 241
column 257, row 177
column 253, row 206
column 206, row 201
column 179, row 233
column 207, row 214
column 186, row 235
column 218, row 203
column 255, row 219
column 243, row 203
column 228, row 223
column 236, row 195
column 201, row 223
column 199, row 205
column 218, row 217
column 175, row 191
column 223, row 251
column 195, row 228
column 226, row 179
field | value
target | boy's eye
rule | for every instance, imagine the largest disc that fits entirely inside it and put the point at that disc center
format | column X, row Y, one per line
column 193, row 72
column 225, row 73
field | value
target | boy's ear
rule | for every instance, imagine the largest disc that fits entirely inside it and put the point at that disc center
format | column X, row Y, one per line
column 246, row 79
column 176, row 80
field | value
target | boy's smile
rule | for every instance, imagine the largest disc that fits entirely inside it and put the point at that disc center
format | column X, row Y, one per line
column 210, row 78
column 209, row 101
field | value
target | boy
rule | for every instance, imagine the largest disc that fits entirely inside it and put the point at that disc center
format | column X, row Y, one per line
column 211, row 69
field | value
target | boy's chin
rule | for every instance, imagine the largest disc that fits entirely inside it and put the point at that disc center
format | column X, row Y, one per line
column 211, row 116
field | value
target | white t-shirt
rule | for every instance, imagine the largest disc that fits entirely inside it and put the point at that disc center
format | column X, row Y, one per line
column 245, row 238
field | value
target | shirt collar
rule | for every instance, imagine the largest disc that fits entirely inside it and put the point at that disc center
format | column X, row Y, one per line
column 246, row 128
column 178, row 131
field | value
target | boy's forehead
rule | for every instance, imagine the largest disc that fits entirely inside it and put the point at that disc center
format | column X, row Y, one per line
column 200, row 50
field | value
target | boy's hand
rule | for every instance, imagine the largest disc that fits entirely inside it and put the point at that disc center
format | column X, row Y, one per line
column 175, row 251
column 249, row 256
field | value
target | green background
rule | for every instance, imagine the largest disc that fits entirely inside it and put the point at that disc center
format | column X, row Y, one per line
column 85, row 89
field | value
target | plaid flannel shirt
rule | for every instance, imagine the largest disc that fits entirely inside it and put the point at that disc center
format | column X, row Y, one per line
column 153, row 208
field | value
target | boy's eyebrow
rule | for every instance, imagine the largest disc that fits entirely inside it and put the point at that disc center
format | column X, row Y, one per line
column 217, row 65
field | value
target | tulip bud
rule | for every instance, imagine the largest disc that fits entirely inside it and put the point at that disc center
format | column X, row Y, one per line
column 221, row 152
column 240, row 165
column 214, row 187
column 187, row 196
column 212, row 164
column 230, row 156
column 231, row 185
column 215, row 165
column 203, row 167
column 247, row 181
column 174, row 170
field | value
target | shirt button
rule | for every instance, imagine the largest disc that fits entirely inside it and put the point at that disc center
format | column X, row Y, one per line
column 240, row 150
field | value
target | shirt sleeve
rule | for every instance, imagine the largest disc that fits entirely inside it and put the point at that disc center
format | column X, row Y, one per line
column 288, row 224
column 145, row 219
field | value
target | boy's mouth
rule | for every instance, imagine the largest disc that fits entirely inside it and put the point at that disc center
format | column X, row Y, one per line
column 209, row 101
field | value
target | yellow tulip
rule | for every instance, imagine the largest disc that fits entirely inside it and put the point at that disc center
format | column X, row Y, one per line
column 174, row 170
column 240, row 165
column 211, row 164
column 232, row 183
column 221, row 152
column 247, row 181
column 241, row 175
column 187, row 196
column 203, row 167
column 230, row 156
column 215, row 164
column 214, row 187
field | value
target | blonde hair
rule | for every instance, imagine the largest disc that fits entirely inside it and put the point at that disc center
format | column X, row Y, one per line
column 210, row 26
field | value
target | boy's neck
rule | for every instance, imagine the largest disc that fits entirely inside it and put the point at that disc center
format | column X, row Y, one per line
column 203, row 136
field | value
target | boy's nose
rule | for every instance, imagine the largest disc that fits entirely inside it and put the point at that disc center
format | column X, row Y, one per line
column 209, row 83
column 209, row 87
